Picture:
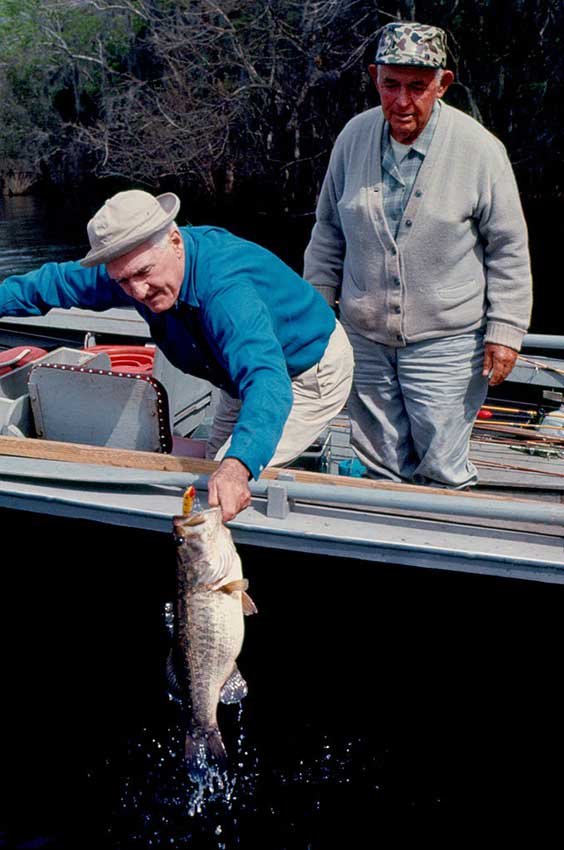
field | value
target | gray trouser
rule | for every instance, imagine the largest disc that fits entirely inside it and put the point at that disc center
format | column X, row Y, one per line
column 319, row 394
column 412, row 409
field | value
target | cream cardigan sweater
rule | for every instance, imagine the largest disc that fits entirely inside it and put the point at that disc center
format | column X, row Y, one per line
column 461, row 259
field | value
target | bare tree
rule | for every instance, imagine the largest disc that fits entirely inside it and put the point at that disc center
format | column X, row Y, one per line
column 231, row 97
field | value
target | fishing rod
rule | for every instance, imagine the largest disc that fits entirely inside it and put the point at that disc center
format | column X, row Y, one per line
column 517, row 425
column 521, row 411
column 539, row 365
column 525, row 445
column 493, row 464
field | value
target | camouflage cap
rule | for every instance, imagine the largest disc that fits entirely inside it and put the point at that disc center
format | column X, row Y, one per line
column 409, row 43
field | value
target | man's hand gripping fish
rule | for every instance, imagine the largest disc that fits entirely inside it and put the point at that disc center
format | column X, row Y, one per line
column 211, row 601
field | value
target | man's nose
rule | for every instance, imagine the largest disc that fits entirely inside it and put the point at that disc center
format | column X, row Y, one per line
column 404, row 96
column 138, row 289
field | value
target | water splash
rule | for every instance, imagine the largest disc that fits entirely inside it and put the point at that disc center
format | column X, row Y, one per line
column 294, row 797
column 160, row 805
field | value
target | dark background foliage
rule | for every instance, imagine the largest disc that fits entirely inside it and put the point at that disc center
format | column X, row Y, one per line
column 237, row 104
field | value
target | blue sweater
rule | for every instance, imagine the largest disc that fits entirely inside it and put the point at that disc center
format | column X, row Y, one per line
column 243, row 321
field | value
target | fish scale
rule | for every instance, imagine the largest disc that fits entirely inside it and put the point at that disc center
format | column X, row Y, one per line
column 213, row 639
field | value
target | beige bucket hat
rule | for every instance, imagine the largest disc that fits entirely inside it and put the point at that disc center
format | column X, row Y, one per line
column 126, row 221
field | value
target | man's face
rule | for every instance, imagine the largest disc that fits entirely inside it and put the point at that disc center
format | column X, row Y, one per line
column 152, row 274
column 408, row 95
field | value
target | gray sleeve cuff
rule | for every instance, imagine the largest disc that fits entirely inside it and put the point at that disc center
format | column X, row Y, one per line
column 504, row 335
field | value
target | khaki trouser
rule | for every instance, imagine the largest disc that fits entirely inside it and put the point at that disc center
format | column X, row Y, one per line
column 319, row 394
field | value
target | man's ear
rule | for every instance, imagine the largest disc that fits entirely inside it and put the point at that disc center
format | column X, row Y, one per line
column 176, row 239
column 447, row 78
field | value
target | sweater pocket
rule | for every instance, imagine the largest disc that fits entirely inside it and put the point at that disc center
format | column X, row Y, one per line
column 457, row 308
column 459, row 292
column 351, row 284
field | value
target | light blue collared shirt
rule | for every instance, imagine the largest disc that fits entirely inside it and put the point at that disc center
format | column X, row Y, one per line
column 398, row 180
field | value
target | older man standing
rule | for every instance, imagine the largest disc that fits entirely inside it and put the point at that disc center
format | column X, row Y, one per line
column 220, row 308
column 421, row 238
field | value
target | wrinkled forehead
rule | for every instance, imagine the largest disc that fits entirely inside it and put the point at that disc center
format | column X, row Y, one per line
column 133, row 262
column 406, row 74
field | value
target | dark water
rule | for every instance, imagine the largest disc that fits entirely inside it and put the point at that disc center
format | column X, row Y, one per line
column 387, row 705
column 34, row 231
column 395, row 703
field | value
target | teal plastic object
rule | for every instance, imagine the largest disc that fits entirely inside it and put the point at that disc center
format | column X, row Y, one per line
column 352, row 467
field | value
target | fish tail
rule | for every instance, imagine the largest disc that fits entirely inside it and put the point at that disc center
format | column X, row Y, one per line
column 204, row 751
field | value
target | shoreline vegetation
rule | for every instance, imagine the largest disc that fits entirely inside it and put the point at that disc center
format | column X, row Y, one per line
column 238, row 103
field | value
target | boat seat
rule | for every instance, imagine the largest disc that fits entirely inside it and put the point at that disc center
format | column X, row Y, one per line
column 100, row 408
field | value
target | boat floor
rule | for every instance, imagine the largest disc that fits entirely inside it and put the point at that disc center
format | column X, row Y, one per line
column 507, row 472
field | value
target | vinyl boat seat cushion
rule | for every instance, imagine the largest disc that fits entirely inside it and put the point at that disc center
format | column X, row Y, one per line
column 100, row 408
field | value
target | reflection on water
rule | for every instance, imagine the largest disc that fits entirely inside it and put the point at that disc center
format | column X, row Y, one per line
column 34, row 231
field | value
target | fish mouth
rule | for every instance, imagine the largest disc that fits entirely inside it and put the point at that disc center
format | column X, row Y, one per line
column 183, row 521
column 186, row 526
column 196, row 520
column 181, row 526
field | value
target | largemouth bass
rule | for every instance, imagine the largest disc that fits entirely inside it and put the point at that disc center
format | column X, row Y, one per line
column 209, row 631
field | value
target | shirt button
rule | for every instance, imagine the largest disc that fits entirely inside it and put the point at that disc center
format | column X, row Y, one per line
column 376, row 188
column 398, row 337
column 397, row 309
column 408, row 222
column 397, row 281
column 394, row 252
column 418, row 193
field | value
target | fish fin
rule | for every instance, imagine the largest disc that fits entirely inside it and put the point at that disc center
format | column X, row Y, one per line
column 204, row 751
column 231, row 586
column 234, row 689
column 249, row 606
column 241, row 584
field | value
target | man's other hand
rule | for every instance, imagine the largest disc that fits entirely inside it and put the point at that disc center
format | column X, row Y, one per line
column 499, row 360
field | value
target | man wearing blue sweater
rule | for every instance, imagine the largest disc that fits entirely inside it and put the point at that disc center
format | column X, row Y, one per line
column 220, row 308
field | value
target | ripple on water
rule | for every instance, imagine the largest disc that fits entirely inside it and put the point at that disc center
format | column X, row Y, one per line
column 19, row 261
